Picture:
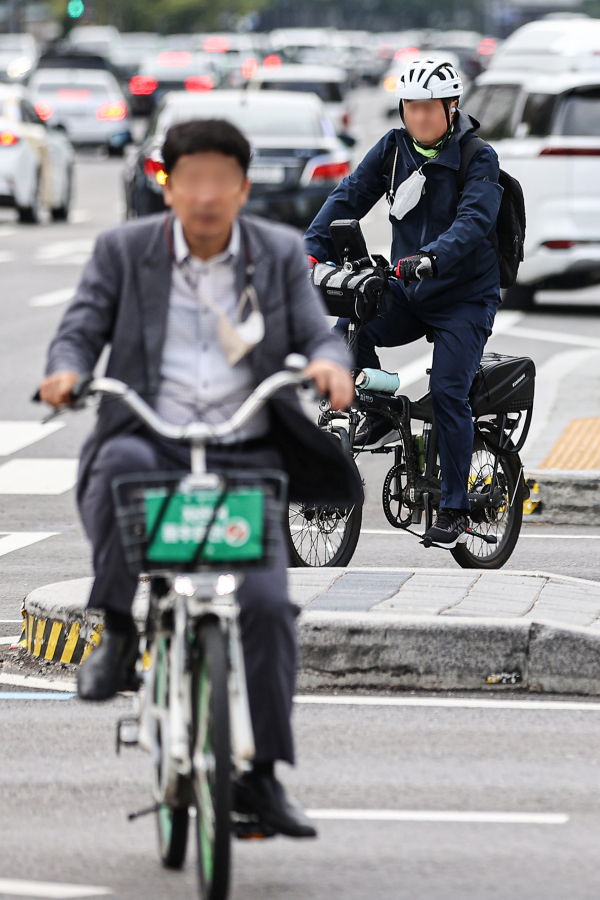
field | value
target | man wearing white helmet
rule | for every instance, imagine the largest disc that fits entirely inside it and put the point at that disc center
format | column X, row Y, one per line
column 440, row 245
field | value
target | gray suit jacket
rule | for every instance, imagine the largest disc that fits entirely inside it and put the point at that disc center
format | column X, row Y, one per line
column 122, row 300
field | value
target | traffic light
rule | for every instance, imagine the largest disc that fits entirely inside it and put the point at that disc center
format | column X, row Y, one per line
column 75, row 9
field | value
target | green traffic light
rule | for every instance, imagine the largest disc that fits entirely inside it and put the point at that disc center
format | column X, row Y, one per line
column 75, row 9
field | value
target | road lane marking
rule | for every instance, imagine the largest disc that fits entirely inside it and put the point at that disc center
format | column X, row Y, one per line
column 17, row 887
column 426, row 815
column 561, row 537
column 16, row 435
column 58, row 250
column 448, row 702
column 17, row 540
column 53, row 298
column 10, row 640
column 555, row 337
column 7, row 256
column 79, row 216
column 39, row 695
column 33, row 682
column 38, row 476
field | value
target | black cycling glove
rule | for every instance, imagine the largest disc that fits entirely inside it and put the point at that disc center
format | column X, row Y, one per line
column 421, row 265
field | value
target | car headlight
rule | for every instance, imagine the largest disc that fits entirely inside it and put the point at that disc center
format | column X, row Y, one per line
column 18, row 67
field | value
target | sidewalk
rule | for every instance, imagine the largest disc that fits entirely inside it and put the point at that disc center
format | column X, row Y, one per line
column 443, row 629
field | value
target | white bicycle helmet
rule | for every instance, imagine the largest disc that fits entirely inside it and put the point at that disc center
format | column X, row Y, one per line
column 429, row 79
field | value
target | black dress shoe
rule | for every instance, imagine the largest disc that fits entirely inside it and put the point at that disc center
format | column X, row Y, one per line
column 265, row 797
column 110, row 668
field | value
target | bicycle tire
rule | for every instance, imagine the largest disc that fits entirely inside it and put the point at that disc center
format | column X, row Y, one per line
column 474, row 553
column 309, row 525
column 212, row 761
column 171, row 822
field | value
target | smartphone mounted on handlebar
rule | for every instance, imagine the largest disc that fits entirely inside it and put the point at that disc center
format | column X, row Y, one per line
column 349, row 241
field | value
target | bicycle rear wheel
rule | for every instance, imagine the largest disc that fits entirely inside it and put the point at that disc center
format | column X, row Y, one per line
column 502, row 521
column 212, row 761
column 171, row 822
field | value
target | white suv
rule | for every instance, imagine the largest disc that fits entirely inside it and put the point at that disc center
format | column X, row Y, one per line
column 539, row 106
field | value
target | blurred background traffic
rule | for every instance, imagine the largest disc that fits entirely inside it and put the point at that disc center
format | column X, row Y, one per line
column 313, row 86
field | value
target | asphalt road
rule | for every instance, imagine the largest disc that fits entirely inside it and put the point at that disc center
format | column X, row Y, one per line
column 64, row 795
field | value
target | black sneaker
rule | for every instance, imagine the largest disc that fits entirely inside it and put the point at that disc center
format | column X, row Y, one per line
column 373, row 435
column 448, row 530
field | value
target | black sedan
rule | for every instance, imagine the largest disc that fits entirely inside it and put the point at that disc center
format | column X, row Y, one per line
column 297, row 159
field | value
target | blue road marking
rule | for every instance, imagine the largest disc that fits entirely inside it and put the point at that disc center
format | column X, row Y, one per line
column 35, row 695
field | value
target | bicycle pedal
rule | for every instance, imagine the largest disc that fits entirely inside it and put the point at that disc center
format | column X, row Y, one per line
column 128, row 732
column 427, row 542
column 251, row 829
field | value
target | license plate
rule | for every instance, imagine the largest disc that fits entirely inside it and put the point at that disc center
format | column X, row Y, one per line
column 267, row 174
column 236, row 534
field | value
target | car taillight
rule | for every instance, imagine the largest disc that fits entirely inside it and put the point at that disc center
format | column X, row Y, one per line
column 142, row 85
column 198, row 83
column 389, row 83
column 346, row 119
column 331, row 171
column 559, row 245
column 272, row 61
column 8, row 138
column 407, row 53
column 154, row 169
column 249, row 67
column 111, row 111
column 216, row 44
column 570, row 151
column 44, row 110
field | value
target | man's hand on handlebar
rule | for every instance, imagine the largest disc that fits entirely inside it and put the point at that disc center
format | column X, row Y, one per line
column 331, row 380
column 421, row 265
column 56, row 389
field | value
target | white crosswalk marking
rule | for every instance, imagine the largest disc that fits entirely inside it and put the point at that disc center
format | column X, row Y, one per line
column 74, row 252
column 38, row 476
column 16, row 540
column 52, row 298
column 17, row 435
column 17, row 887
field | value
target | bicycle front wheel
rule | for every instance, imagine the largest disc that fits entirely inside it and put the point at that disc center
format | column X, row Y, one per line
column 212, row 761
column 171, row 821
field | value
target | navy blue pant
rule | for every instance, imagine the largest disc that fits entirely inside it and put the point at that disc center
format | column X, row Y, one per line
column 459, row 335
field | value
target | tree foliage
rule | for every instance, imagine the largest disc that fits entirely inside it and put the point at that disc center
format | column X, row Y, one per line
column 165, row 16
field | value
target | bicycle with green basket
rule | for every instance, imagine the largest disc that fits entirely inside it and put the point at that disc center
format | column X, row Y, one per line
column 193, row 535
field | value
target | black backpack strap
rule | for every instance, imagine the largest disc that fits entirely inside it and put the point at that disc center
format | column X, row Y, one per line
column 467, row 151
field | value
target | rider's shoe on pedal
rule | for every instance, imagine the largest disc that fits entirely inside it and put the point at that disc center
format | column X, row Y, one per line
column 259, row 793
column 373, row 435
column 448, row 530
column 110, row 668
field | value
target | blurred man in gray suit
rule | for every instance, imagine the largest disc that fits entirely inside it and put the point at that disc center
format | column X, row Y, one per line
column 165, row 292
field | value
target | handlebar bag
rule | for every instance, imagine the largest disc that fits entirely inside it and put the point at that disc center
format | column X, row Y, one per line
column 352, row 295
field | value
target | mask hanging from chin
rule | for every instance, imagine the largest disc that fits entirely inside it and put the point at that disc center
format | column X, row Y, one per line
column 239, row 338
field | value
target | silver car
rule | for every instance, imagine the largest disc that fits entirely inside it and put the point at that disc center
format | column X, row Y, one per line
column 87, row 103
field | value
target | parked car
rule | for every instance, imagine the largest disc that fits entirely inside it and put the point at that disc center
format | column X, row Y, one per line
column 87, row 104
column 36, row 162
column 296, row 157
column 327, row 82
column 18, row 56
column 170, row 70
column 539, row 106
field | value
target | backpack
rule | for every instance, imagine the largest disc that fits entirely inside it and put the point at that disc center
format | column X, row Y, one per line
column 510, row 224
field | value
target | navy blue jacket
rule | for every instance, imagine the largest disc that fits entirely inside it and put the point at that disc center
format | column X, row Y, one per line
column 453, row 226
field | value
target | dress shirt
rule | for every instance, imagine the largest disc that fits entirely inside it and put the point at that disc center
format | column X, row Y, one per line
column 197, row 382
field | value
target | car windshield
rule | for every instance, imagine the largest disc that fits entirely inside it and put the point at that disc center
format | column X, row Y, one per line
column 493, row 106
column 580, row 114
column 328, row 91
column 252, row 120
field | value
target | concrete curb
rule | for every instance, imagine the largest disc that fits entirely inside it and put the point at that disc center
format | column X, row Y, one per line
column 380, row 650
column 564, row 497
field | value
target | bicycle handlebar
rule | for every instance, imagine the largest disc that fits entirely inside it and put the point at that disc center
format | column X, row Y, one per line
column 196, row 431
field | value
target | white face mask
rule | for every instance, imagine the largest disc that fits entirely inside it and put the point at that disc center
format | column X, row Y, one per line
column 408, row 194
column 239, row 339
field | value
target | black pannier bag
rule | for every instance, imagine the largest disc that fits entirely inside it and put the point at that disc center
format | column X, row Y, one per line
column 349, row 294
column 503, row 385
